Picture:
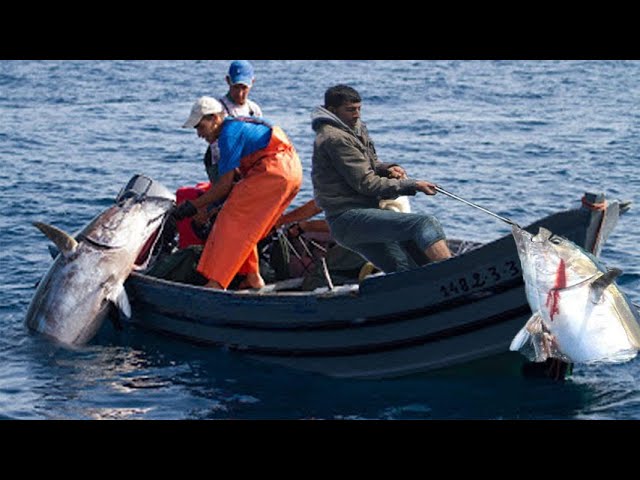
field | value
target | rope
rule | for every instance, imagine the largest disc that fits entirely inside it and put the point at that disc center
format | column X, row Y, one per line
column 289, row 245
column 594, row 206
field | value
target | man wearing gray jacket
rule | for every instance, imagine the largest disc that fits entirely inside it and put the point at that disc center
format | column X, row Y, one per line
column 349, row 181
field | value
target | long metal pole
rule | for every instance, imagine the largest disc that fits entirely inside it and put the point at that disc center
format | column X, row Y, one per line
column 504, row 219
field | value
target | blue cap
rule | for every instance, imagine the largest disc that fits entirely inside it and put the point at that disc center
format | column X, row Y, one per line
column 241, row 71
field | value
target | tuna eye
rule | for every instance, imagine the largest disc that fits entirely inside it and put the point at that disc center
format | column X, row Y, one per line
column 555, row 240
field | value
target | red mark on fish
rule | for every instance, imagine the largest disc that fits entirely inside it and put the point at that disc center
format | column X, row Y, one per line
column 553, row 297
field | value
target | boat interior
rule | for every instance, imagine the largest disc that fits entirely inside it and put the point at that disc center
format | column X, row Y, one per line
column 309, row 262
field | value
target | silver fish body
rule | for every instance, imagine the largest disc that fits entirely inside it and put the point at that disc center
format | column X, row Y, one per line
column 579, row 313
column 72, row 300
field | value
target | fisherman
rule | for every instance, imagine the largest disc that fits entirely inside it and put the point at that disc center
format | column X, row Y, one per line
column 349, row 181
column 236, row 103
column 240, row 79
column 270, row 177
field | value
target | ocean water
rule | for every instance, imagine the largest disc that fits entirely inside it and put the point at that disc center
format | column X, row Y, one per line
column 523, row 138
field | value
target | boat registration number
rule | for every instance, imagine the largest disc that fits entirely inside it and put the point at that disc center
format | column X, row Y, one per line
column 488, row 275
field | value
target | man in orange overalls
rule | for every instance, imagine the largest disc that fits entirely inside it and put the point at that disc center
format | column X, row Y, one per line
column 271, row 175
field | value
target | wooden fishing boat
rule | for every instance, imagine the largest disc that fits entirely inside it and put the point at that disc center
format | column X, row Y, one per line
column 442, row 314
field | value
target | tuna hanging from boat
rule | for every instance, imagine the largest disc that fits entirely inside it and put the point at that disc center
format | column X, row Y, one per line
column 579, row 313
column 74, row 297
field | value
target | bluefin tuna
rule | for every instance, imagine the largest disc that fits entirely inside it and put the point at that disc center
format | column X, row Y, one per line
column 74, row 297
column 579, row 313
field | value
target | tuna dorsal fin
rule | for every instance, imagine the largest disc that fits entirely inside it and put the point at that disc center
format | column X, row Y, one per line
column 65, row 242
column 601, row 283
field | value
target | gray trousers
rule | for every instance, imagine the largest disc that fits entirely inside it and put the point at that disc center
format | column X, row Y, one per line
column 381, row 236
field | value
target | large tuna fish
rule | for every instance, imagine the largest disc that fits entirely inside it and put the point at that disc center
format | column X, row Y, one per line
column 579, row 313
column 74, row 297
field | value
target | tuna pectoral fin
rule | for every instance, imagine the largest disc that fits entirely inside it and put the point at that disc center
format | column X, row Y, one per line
column 121, row 301
column 520, row 340
column 601, row 283
column 65, row 242
column 527, row 340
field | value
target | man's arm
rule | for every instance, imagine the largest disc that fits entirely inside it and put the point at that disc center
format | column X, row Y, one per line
column 307, row 210
column 357, row 171
column 217, row 192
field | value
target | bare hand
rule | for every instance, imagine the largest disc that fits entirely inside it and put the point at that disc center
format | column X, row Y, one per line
column 397, row 172
column 202, row 216
column 425, row 187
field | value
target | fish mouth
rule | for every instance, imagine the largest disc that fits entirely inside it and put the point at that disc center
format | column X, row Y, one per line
column 519, row 232
column 521, row 235
column 523, row 241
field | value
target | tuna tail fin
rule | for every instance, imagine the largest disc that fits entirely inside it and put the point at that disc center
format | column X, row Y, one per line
column 65, row 242
column 601, row 283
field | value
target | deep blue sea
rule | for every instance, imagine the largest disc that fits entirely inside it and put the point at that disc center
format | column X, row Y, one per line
column 523, row 138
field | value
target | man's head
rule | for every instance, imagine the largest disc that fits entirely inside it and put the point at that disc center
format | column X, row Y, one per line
column 207, row 115
column 240, row 80
column 345, row 103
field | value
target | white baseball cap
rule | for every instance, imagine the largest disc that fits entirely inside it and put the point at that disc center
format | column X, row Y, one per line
column 203, row 106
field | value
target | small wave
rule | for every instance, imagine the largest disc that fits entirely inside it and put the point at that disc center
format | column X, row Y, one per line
column 598, row 130
column 145, row 383
column 520, row 95
column 116, row 413
column 377, row 100
column 414, row 410
column 8, row 80
column 531, row 123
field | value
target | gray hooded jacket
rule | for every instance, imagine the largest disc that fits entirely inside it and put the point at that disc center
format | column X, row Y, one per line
column 346, row 172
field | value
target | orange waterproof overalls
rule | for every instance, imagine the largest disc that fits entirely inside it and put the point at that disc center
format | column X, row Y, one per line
column 271, row 178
